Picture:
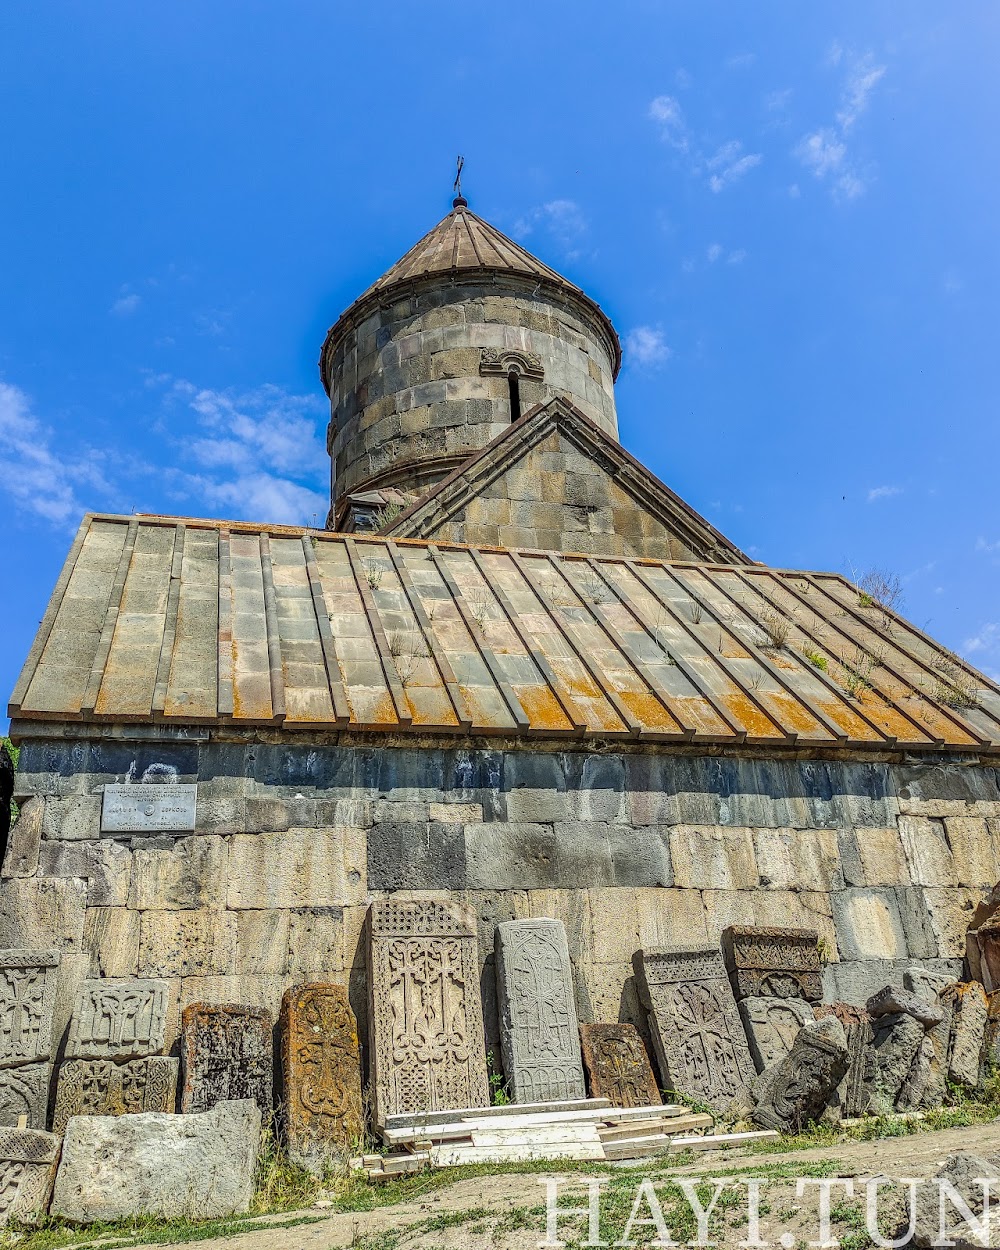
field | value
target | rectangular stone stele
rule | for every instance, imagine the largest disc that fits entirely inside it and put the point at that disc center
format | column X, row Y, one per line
column 28, row 1160
column 149, row 807
column 228, row 1052
column 24, row 1092
column 773, row 963
column 428, row 1047
column 28, row 980
column 539, row 1032
column 119, row 1020
column 697, row 1034
column 321, row 1074
column 771, row 1026
column 617, row 1065
column 101, row 1087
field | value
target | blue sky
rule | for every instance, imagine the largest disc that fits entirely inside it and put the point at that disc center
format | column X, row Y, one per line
column 789, row 211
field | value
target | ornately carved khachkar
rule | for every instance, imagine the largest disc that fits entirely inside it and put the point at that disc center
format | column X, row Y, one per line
column 28, row 981
column 227, row 1052
column 428, row 1049
column 773, row 962
column 321, row 1070
column 28, row 1161
column 539, row 1033
column 617, row 1065
column 696, row 1029
column 101, row 1087
column 772, row 1025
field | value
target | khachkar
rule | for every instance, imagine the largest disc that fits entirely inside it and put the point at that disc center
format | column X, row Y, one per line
column 321, row 1071
column 228, row 1053
column 539, row 1034
column 428, row 1049
column 28, row 981
column 774, row 962
column 28, row 1160
column 102, row 1087
column 617, row 1065
column 696, row 1029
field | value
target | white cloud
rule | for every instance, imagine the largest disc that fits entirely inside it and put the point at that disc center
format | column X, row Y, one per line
column 777, row 101
column 126, row 304
column 647, row 346
column 564, row 220
column 666, row 112
column 714, row 252
column 729, row 165
column 737, row 257
column 987, row 639
column 824, row 151
column 741, row 60
column 862, row 76
column 883, row 492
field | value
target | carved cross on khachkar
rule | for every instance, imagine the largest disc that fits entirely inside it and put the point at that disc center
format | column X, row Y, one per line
column 28, row 981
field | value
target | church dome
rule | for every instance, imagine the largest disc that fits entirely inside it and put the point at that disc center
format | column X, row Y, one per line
column 461, row 336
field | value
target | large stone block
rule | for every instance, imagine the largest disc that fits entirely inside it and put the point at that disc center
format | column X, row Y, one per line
column 301, row 868
column 24, row 1095
column 111, row 936
column 101, row 1087
column 896, row 1044
column 28, row 1161
column 194, row 1166
column 881, row 859
column 228, row 1053
column 72, row 816
column 713, row 858
column 769, row 962
column 855, row 981
column 190, row 874
column 696, row 1028
column 24, row 841
column 187, row 943
column 803, row 859
column 975, row 844
column 952, row 913
column 939, row 790
column 119, row 1020
column 321, row 1073
column 617, row 1065
column 869, row 925
column 28, row 985
column 771, row 1026
column 41, row 912
column 928, row 851
column 539, row 1033
column 104, row 865
column 425, row 1024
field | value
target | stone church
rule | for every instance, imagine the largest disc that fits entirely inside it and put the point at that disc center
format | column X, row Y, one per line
column 515, row 670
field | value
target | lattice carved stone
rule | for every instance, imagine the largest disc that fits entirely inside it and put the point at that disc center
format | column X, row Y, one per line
column 322, row 1074
column 119, row 1020
column 539, row 1033
column 28, row 1160
column 227, row 1052
column 773, row 962
column 504, row 360
column 427, row 1042
column 28, row 981
column 101, row 1087
column 617, row 1065
column 696, row 1028
column 24, row 1092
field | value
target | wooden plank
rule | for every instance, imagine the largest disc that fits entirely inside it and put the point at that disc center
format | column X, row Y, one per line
column 420, row 1119
column 110, row 620
column 273, row 633
column 463, row 1128
column 394, row 685
column 341, row 705
column 170, row 623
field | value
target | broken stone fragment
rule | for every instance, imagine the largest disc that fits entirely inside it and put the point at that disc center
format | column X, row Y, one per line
column 795, row 1092
column 894, row 999
column 966, row 1173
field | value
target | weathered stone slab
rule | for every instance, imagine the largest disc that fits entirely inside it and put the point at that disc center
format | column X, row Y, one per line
column 119, row 1020
column 771, row 1026
column 27, row 1169
column 796, row 1091
column 321, row 1074
column 539, row 1033
column 617, row 1065
column 856, row 1088
column 892, row 999
column 116, row 1167
column 970, row 1010
column 28, row 982
column 696, row 1028
column 895, row 1046
column 24, row 1092
column 101, row 1087
column 773, row 962
column 426, row 1024
column 228, row 1053
column 983, row 945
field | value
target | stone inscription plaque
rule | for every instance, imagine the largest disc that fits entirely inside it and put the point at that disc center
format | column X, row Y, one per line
column 28, row 1162
column 149, row 808
column 773, row 962
column 539, row 1034
column 119, row 1020
column 427, row 1040
column 772, row 1025
column 617, row 1065
column 100, row 1087
column 227, row 1053
column 321, row 1071
column 24, row 1091
column 28, row 981
column 696, row 1028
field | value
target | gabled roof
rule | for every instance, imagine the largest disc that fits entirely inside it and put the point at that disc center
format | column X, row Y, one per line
column 452, row 494
column 175, row 621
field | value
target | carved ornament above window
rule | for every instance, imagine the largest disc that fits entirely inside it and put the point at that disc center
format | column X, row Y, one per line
column 505, row 360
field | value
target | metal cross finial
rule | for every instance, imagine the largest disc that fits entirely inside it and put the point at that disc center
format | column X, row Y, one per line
column 459, row 201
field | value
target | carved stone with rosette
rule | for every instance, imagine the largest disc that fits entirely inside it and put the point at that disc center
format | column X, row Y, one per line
column 227, row 1052
column 322, row 1074
column 539, row 1033
column 27, row 994
column 28, row 1160
column 119, row 1019
column 773, row 962
column 696, row 1028
column 428, row 1049
column 617, row 1065
column 102, row 1087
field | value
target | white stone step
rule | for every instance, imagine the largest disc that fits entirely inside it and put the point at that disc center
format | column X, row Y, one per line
column 462, row 1128
column 422, row 1118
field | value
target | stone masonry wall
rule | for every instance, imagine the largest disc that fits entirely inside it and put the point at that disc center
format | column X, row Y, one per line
column 405, row 384
column 890, row 862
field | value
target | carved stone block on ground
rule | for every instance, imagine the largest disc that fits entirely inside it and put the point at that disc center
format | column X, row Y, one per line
column 617, row 1065
column 116, row 1167
column 426, row 1025
column 796, row 1092
column 856, row 1088
column 24, row 1091
column 228, row 1053
column 119, row 1020
column 321, row 1074
column 539, row 1033
column 102, row 1087
column 28, row 981
column 771, row 1026
column 27, row 1169
column 773, row 962
column 696, row 1028
column 970, row 1010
